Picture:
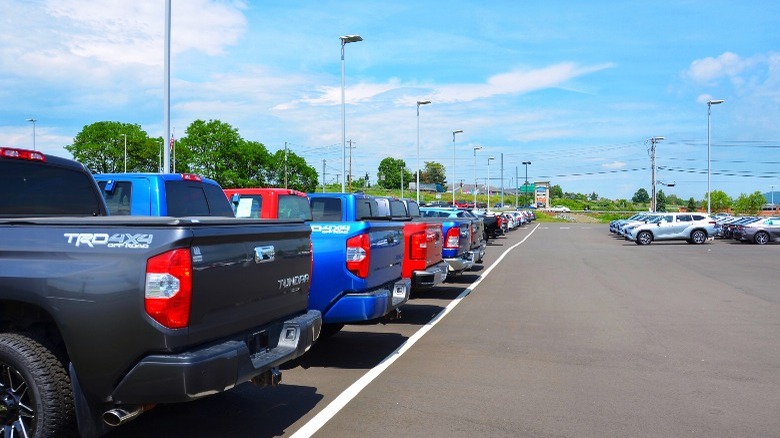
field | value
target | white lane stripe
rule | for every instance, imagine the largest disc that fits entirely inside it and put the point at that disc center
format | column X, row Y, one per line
column 345, row 397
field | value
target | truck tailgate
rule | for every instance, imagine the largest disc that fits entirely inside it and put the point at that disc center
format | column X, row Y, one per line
column 247, row 279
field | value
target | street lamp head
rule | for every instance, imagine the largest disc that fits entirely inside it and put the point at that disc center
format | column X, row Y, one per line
column 657, row 139
column 459, row 131
column 526, row 162
column 491, row 158
column 423, row 102
column 715, row 102
column 477, row 148
column 350, row 39
column 32, row 120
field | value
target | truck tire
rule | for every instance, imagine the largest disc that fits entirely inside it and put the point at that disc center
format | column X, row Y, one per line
column 36, row 398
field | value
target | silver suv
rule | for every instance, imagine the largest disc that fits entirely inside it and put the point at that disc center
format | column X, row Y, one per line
column 692, row 227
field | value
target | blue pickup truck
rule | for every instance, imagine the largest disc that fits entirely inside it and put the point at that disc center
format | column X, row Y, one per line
column 163, row 194
column 357, row 261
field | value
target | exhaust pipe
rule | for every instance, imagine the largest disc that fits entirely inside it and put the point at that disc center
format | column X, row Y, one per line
column 271, row 377
column 123, row 414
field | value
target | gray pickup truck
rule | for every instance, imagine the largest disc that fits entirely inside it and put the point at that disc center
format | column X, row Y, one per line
column 102, row 318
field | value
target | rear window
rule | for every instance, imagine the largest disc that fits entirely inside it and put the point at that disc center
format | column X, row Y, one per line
column 249, row 206
column 294, row 207
column 34, row 189
column 191, row 198
column 414, row 209
column 326, row 209
column 397, row 209
column 367, row 208
column 118, row 200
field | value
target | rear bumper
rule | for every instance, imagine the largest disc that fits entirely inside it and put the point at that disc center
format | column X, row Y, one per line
column 174, row 378
column 462, row 263
column 479, row 252
column 365, row 306
column 431, row 276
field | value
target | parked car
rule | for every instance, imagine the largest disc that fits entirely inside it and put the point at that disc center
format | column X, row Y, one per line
column 760, row 232
column 691, row 227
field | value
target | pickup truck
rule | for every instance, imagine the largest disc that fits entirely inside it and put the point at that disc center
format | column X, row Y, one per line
column 103, row 317
column 269, row 203
column 423, row 262
column 457, row 238
column 163, row 194
column 358, row 258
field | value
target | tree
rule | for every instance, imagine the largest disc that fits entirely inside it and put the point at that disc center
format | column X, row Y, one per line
column 299, row 175
column 389, row 172
column 691, row 204
column 434, row 173
column 641, row 197
column 720, row 201
column 660, row 201
column 594, row 196
column 749, row 204
column 101, row 147
column 556, row 192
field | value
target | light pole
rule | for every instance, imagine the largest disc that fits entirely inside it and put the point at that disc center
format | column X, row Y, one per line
column 33, row 122
column 459, row 131
column 344, row 40
column 709, row 112
column 419, row 102
column 476, row 148
column 653, row 141
column 125, row 136
column 773, row 199
column 488, row 182
column 525, row 185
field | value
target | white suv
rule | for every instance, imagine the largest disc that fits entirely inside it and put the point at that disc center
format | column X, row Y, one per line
column 692, row 227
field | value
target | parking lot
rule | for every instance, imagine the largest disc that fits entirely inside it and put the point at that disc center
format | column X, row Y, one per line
column 572, row 333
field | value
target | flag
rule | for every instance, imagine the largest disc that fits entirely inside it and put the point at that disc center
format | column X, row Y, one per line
column 173, row 140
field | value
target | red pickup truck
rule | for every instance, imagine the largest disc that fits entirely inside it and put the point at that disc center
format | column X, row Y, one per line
column 270, row 203
column 423, row 262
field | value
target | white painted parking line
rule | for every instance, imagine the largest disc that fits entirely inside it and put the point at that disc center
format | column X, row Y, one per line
column 345, row 397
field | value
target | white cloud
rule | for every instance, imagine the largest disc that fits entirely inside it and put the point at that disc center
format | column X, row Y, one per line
column 614, row 165
column 708, row 70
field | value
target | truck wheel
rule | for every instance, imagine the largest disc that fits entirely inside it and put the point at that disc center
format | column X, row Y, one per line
column 36, row 398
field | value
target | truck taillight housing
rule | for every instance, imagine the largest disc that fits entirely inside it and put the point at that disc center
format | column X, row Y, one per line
column 419, row 246
column 22, row 154
column 453, row 238
column 359, row 254
column 168, row 290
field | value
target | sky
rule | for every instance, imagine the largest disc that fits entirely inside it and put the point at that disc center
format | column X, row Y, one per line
column 575, row 88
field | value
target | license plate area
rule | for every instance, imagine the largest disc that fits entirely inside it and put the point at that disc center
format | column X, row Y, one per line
column 257, row 342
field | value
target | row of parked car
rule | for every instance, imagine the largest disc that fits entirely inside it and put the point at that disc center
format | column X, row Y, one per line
column 753, row 229
column 644, row 228
column 696, row 228
column 119, row 292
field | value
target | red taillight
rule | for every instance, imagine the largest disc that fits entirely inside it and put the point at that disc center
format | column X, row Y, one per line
column 359, row 255
column 191, row 177
column 22, row 154
column 168, row 291
column 419, row 246
column 453, row 238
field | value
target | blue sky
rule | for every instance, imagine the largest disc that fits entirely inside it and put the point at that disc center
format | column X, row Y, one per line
column 576, row 88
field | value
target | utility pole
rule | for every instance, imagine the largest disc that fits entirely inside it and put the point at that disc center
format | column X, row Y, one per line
column 285, row 165
column 517, row 182
column 323, row 176
column 502, row 180
column 653, row 141
column 349, row 176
